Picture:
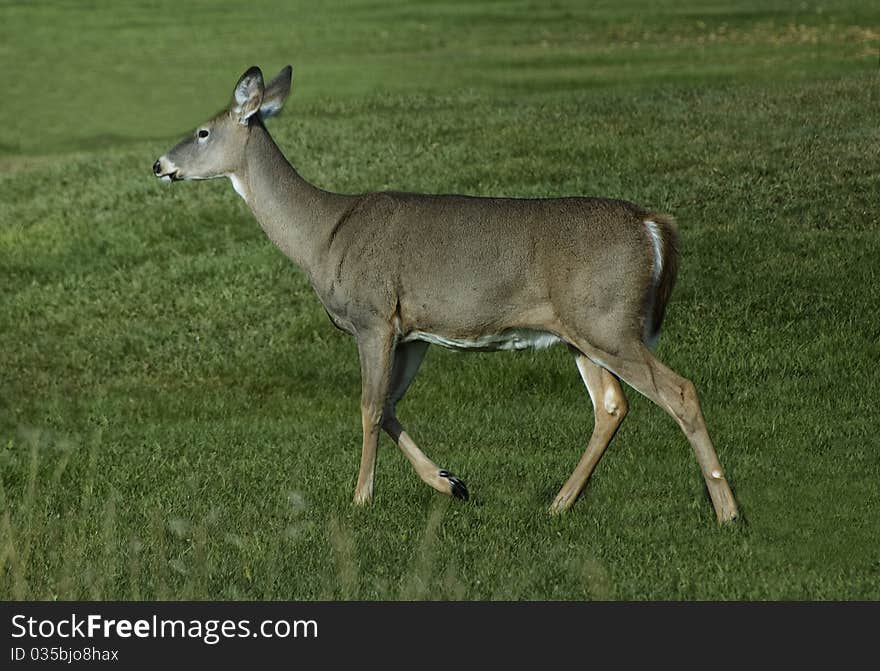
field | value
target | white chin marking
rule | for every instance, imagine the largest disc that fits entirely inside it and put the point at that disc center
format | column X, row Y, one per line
column 166, row 178
column 512, row 339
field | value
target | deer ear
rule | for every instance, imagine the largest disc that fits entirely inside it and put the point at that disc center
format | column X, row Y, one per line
column 276, row 92
column 247, row 95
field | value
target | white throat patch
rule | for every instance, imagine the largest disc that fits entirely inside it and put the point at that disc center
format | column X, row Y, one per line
column 237, row 185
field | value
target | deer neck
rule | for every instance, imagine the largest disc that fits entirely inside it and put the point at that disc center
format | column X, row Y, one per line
column 294, row 214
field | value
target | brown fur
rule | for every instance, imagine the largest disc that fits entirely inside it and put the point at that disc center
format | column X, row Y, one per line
column 400, row 270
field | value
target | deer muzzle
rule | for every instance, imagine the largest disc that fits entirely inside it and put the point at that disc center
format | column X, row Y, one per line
column 166, row 170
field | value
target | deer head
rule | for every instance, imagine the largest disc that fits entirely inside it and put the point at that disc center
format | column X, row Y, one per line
column 216, row 147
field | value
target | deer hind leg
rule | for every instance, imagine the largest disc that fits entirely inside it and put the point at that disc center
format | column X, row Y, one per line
column 407, row 359
column 636, row 366
column 609, row 410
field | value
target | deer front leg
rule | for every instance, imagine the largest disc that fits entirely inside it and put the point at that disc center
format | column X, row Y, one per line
column 407, row 359
column 376, row 354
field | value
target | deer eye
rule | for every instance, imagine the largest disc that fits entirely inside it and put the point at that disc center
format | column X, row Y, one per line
column 203, row 133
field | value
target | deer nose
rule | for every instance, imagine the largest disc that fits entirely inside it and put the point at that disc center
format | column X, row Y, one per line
column 157, row 168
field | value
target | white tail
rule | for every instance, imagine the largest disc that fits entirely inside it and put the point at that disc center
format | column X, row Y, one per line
column 399, row 271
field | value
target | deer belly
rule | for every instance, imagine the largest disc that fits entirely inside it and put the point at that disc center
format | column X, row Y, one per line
column 512, row 339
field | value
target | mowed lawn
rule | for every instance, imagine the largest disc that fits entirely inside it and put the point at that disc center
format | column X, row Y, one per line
column 179, row 419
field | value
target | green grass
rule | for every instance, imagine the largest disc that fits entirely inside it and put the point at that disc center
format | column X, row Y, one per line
column 179, row 420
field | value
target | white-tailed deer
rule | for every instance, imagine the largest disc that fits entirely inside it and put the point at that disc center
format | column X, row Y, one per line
column 399, row 271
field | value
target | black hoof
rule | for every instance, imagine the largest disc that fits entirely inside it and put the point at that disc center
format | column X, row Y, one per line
column 459, row 489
